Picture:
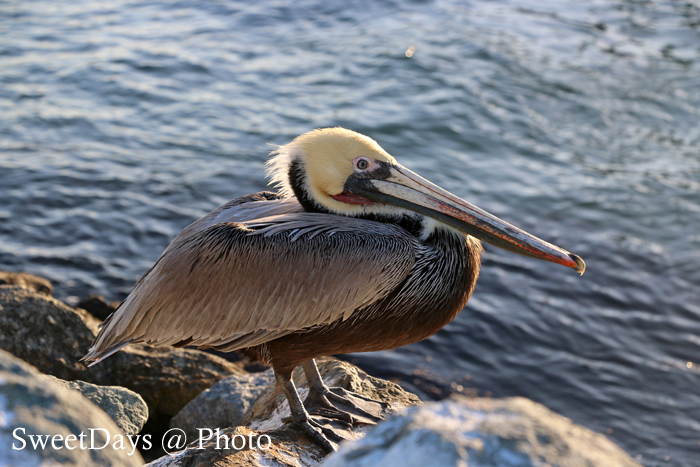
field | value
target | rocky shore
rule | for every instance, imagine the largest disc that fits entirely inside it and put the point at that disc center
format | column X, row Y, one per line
column 183, row 407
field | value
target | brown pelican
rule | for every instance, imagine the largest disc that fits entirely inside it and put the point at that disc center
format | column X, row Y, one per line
column 354, row 253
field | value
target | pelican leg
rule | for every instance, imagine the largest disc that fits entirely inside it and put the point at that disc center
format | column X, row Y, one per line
column 318, row 401
column 301, row 418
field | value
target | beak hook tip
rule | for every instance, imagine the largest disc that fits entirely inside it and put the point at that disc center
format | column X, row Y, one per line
column 580, row 265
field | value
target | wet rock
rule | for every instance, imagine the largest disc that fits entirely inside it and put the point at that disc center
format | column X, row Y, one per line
column 32, row 405
column 516, row 432
column 28, row 281
column 53, row 337
column 222, row 405
column 97, row 306
column 125, row 407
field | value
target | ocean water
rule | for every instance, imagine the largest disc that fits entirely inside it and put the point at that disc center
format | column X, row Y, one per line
column 121, row 122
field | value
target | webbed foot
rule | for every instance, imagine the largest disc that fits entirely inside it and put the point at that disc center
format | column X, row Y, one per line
column 345, row 406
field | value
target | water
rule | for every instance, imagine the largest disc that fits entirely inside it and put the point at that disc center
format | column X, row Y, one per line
column 121, row 123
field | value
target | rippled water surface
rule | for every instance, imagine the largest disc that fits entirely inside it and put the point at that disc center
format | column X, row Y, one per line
column 579, row 121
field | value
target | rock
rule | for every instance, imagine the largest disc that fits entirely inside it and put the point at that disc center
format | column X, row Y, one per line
column 28, row 281
column 481, row 432
column 97, row 306
column 271, row 406
column 222, row 405
column 53, row 337
column 167, row 378
column 44, row 332
column 242, row 360
column 288, row 445
column 125, row 407
column 32, row 405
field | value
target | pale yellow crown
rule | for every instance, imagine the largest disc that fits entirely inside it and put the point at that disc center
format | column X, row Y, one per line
column 327, row 156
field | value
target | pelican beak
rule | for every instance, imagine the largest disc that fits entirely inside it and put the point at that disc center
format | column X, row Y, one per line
column 397, row 186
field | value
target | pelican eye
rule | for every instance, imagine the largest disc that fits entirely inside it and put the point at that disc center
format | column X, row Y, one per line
column 362, row 164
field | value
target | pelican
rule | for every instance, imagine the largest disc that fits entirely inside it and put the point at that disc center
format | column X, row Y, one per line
column 352, row 253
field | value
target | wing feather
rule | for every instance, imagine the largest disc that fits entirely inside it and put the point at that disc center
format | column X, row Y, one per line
column 255, row 270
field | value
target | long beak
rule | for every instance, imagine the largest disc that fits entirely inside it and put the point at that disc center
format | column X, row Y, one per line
column 408, row 190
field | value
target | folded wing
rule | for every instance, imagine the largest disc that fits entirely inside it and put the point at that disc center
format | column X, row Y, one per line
column 256, row 269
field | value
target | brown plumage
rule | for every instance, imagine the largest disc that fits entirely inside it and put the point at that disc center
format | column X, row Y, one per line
column 354, row 254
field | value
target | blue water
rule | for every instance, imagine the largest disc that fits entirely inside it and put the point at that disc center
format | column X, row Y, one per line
column 579, row 121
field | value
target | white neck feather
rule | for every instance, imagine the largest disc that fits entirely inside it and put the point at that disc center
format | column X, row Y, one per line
column 277, row 168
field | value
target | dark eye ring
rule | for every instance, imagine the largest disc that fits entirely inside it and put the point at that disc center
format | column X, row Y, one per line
column 362, row 164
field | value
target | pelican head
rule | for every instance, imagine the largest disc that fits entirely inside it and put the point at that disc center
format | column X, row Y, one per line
column 342, row 172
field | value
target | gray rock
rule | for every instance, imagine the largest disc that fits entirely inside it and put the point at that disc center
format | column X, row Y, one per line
column 513, row 432
column 166, row 378
column 28, row 281
column 97, row 306
column 222, row 405
column 44, row 332
column 288, row 445
column 125, row 407
column 53, row 337
column 32, row 405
